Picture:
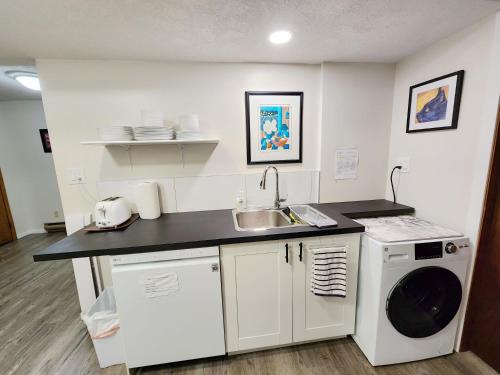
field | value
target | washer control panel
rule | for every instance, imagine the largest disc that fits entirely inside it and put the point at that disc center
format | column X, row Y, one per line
column 438, row 250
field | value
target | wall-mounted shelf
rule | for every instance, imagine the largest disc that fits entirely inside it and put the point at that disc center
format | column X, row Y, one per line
column 149, row 143
column 180, row 143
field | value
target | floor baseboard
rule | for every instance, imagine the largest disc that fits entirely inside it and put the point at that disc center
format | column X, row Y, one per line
column 30, row 231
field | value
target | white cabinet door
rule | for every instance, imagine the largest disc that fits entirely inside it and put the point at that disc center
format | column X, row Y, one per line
column 319, row 317
column 257, row 289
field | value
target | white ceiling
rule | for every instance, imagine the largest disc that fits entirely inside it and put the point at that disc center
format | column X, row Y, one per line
column 229, row 30
column 11, row 89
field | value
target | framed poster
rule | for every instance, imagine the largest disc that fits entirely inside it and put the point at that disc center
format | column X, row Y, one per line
column 44, row 135
column 274, row 127
column 435, row 104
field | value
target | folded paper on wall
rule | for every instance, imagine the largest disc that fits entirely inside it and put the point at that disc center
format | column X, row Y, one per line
column 346, row 164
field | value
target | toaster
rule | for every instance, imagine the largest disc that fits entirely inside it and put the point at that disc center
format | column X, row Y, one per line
column 111, row 212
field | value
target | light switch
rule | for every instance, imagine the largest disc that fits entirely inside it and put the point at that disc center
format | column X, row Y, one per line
column 404, row 162
column 75, row 176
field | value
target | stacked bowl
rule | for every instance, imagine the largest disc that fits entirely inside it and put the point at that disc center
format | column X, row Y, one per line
column 189, row 127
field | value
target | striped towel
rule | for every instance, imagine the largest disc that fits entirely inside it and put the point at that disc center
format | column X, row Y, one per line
column 329, row 271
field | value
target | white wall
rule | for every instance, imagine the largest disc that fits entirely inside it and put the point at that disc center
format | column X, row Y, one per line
column 442, row 163
column 28, row 172
column 356, row 113
column 345, row 105
column 448, row 171
column 80, row 96
column 195, row 193
column 486, row 131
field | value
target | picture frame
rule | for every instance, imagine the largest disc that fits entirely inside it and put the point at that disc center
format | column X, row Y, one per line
column 435, row 104
column 44, row 136
column 274, row 126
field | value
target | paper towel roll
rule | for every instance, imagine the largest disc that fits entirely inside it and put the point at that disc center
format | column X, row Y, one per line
column 147, row 200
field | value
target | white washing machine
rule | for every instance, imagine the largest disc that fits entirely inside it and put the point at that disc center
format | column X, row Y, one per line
column 410, row 289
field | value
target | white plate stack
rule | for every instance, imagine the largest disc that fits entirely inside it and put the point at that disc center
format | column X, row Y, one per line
column 153, row 128
column 116, row 133
column 189, row 127
column 153, row 133
column 152, row 118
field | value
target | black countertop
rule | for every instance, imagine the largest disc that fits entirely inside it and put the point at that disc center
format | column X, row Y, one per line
column 185, row 230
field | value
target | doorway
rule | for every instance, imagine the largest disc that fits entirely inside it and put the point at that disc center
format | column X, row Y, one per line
column 7, row 230
column 29, row 176
column 482, row 319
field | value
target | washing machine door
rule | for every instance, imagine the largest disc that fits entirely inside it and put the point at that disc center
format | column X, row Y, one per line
column 424, row 301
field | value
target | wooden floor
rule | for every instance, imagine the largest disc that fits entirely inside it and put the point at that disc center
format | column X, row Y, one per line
column 41, row 333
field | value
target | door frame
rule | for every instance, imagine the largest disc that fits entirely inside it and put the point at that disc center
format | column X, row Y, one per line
column 7, row 208
column 488, row 211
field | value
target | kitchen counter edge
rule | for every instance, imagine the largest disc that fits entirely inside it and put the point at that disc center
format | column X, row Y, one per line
column 343, row 212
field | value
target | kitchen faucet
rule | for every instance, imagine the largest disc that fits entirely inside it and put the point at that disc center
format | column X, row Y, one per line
column 277, row 200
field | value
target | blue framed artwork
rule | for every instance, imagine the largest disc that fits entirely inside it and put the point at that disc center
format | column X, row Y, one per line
column 274, row 126
column 435, row 104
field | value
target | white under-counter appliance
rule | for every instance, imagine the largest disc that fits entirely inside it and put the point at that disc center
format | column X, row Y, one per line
column 170, row 305
column 411, row 285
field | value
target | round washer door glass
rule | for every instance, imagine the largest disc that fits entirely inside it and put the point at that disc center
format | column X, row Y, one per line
column 424, row 301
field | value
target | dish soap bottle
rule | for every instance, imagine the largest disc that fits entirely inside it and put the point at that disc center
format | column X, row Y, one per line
column 240, row 201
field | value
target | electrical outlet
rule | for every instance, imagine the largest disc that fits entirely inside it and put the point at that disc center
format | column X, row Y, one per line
column 75, row 176
column 404, row 162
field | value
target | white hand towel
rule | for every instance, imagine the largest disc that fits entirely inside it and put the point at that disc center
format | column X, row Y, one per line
column 329, row 271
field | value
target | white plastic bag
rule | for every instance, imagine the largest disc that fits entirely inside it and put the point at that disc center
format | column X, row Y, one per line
column 104, row 328
column 102, row 319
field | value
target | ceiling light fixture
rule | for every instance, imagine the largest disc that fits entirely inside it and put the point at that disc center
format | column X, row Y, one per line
column 280, row 37
column 27, row 79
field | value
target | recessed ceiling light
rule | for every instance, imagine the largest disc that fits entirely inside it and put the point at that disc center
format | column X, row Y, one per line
column 280, row 37
column 27, row 79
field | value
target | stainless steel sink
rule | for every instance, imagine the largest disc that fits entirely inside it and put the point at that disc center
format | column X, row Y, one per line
column 263, row 219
